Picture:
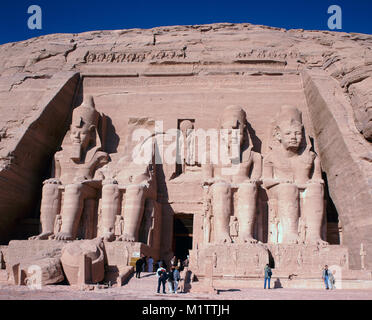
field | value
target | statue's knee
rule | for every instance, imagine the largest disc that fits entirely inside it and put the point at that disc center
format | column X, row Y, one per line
column 314, row 189
column 73, row 189
column 109, row 189
column 221, row 188
column 50, row 189
column 135, row 190
column 287, row 191
column 248, row 188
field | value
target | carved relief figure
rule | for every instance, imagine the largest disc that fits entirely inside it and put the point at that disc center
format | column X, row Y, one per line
column 187, row 129
column 58, row 224
column 290, row 169
column 207, row 215
column 221, row 184
column 74, row 173
column 234, row 227
column 119, row 226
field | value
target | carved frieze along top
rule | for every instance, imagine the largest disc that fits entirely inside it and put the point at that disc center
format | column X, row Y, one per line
column 134, row 56
column 263, row 53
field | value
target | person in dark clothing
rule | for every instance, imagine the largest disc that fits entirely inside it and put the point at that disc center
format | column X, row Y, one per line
column 144, row 265
column 268, row 274
column 170, row 279
column 139, row 266
column 325, row 276
column 161, row 273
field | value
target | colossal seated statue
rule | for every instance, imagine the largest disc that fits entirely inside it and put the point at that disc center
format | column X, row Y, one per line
column 127, row 187
column 239, row 174
column 291, row 172
column 74, row 175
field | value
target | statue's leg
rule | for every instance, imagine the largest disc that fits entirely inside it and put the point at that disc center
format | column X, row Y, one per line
column 313, row 204
column 110, row 208
column 73, row 204
column 221, row 207
column 288, row 211
column 50, row 207
column 247, row 195
column 133, row 211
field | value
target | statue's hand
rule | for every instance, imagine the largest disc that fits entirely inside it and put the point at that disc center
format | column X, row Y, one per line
column 52, row 181
column 254, row 181
column 318, row 181
column 284, row 181
column 209, row 182
column 80, row 179
column 268, row 183
column 109, row 181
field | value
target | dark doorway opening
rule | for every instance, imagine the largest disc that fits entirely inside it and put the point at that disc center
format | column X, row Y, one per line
column 183, row 233
column 333, row 224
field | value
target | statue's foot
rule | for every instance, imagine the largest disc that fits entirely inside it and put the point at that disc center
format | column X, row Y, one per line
column 248, row 240
column 62, row 236
column 108, row 236
column 291, row 241
column 42, row 236
column 224, row 239
column 127, row 238
column 318, row 241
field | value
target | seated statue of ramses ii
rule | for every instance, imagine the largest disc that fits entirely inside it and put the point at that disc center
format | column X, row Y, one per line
column 74, row 175
column 240, row 174
column 292, row 171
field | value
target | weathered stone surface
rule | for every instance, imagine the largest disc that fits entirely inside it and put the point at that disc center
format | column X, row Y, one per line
column 34, row 262
column 34, row 119
column 178, row 74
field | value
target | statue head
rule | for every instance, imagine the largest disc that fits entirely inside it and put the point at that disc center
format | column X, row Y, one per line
column 234, row 117
column 83, row 127
column 186, row 126
column 289, row 127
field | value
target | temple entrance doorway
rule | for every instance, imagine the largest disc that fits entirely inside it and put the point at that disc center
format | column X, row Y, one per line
column 182, row 236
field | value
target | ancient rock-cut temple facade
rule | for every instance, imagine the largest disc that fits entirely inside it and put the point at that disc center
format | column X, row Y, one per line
column 101, row 139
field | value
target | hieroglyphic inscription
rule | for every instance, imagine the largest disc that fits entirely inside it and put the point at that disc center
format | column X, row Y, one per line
column 128, row 57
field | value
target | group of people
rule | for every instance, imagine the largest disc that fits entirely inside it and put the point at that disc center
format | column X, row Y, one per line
column 327, row 276
column 143, row 264
column 329, row 279
column 172, row 277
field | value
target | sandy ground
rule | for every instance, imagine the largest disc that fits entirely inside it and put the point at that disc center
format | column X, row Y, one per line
column 145, row 289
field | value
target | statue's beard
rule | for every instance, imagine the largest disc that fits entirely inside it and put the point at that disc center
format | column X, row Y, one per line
column 293, row 147
column 76, row 152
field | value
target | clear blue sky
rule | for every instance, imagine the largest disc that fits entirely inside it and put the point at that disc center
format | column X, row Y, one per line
column 74, row 16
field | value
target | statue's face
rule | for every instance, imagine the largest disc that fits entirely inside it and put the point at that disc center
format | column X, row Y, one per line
column 233, row 124
column 290, row 136
column 81, row 136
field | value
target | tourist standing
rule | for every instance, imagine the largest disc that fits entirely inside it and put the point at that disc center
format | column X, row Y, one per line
column 139, row 266
column 325, row 276
column 176, row 277
column 144, row 265
column 268, row 274
column 170, row 279
column 150, row 264
column 161, row 273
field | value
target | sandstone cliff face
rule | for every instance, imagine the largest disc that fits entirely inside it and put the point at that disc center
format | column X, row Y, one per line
column 39, row 87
